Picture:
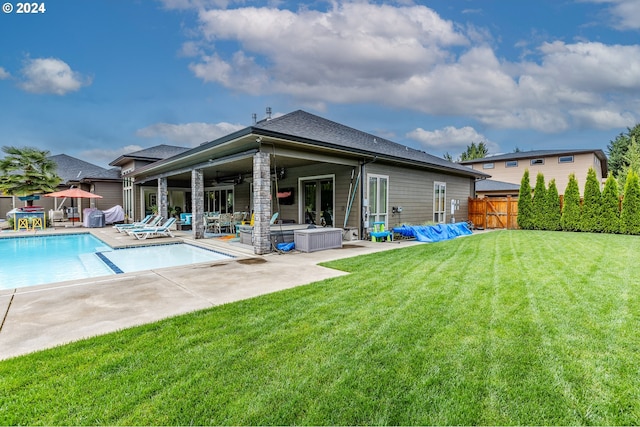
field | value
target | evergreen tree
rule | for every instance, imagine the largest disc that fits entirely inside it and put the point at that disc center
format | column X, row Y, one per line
column 539, row 203
column 570, row 219
column 525, row 203
column 591, row 217
column 630, row 214
column 553, row 208
column 610, row 206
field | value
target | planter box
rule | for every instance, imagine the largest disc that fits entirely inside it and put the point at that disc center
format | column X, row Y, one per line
column 318, row 239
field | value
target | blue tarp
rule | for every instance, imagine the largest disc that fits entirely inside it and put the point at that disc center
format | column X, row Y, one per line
column 433, row 233
column 286, row 247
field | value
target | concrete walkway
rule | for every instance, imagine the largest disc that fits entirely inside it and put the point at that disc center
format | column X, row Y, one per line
column 39, row 317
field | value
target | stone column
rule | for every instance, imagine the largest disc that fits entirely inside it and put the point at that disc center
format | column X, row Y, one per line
column 197, row 203
column 261, row 203
column 163, row 202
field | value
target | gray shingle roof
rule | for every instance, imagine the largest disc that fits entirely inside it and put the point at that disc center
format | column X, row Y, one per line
column 492, row 185
column 326, row 132
column 158, row 152
column 152, row 154
column 73, row 169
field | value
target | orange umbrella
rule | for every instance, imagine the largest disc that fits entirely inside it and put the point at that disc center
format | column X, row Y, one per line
column 74, row 193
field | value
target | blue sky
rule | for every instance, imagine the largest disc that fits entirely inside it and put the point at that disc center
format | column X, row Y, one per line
column 95, row 79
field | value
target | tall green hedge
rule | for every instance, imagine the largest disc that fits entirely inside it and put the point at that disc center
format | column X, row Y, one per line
column 630, row 213
column 610, row 206
column 591, row 218
column 571, row 207
column 525, row 203
column 539, row 203
column 553, row 208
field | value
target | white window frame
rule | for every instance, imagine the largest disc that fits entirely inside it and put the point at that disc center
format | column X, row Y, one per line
column 511, row 164
column 488, row 166
column 536, row 162
column 379, row 216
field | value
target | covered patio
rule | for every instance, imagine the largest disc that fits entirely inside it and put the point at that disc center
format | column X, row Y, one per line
column 262, row 176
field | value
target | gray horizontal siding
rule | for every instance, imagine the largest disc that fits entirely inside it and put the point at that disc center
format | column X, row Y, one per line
column 412, row 189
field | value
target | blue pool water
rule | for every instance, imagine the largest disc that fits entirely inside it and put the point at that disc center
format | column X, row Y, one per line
column 29, row 261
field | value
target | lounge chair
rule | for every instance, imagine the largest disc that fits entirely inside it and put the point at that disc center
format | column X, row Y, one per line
column 145, row 222
column 162, row 231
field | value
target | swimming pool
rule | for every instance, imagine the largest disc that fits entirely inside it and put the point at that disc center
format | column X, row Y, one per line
column 29, row 261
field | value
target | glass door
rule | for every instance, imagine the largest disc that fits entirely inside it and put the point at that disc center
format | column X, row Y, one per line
column 378, row 192
column 318, row 202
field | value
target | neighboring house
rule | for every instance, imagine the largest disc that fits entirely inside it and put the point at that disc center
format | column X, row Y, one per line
column 493, row 188
column 309, row 170
column 553, row 164
column 128, row 163
column 77, row 173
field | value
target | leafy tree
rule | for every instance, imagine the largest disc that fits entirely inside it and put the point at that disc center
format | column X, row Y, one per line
column 591, row 217
column 553, row 208
column 474, row 151
column 27, row 171
column 610, row 206
column 617, row 149
column 525, row 203
column 539, row 203
column 632, row 163
column 630, row 214
column 570, row 219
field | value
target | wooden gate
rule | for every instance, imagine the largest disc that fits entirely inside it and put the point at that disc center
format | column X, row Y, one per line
column 494, row 212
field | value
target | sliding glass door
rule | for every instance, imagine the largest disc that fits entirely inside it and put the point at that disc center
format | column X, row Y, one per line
column 318, row 197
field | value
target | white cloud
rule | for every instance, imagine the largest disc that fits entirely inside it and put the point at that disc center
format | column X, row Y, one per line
column 191, row 134
column 310, row 49
column 625, row 13
column 51, row 75
column 409, row 57
column 4, row 74
column 450, row 139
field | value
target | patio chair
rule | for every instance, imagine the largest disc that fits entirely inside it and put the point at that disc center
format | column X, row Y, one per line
column 224, row 221
column 147, row 221
column 162, row 231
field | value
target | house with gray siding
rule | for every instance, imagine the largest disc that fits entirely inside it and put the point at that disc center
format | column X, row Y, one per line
column 81, row 174
column 311, row 171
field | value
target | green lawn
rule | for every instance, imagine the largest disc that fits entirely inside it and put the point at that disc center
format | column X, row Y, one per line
column 508, row 327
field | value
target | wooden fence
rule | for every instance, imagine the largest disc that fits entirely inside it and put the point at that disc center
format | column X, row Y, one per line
column 494, row 212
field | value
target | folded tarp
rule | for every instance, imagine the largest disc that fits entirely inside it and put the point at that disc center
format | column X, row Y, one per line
column 434, row 233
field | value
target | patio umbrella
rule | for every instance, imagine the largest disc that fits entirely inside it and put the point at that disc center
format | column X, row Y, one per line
column 74, row 193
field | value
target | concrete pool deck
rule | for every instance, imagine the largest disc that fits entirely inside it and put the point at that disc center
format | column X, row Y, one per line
column 39, row 317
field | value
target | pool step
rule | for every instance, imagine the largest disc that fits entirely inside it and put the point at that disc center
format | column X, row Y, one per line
column 91, row 263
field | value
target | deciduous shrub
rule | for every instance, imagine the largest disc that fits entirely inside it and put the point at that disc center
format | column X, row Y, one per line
column 591, row 217
column 525, row 203
column 570, row 219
